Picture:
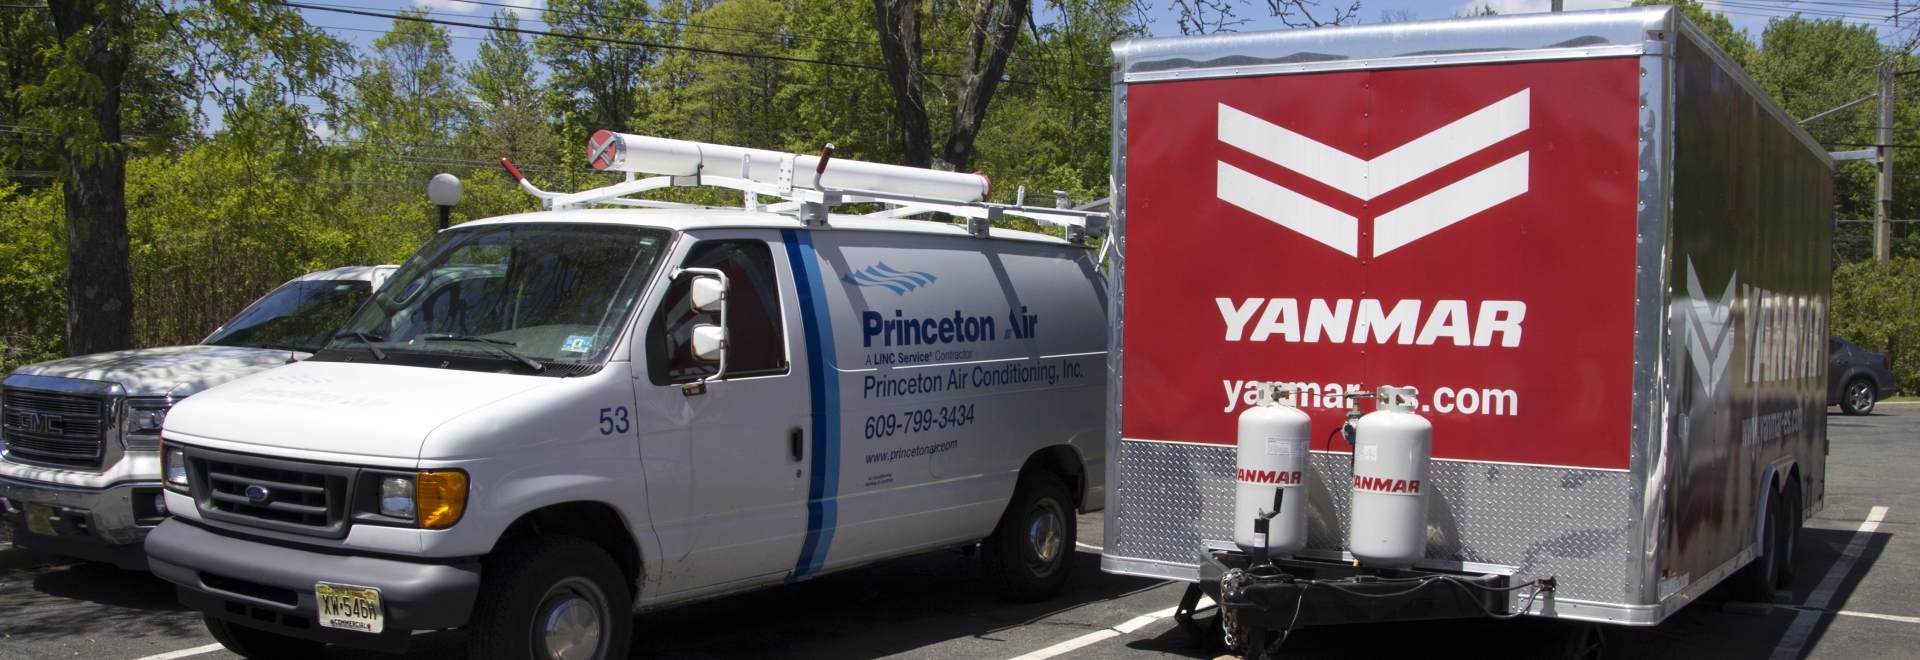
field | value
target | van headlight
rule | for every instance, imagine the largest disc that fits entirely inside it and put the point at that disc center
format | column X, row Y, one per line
column 140, row 425
column 173, row 468
column 435, row 499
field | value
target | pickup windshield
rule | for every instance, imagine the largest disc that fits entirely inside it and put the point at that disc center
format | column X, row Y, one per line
column 484, row 298
column 299, row 316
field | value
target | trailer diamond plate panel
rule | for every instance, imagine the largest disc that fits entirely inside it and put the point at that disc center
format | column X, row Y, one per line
column 1569, row 523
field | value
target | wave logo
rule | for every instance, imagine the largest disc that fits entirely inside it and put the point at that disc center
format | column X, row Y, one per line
column 1368, row 179
column 886, row 277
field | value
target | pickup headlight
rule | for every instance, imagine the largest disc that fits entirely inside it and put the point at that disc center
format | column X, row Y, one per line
column 173, row 468
column 433, row 499
column 141, row 423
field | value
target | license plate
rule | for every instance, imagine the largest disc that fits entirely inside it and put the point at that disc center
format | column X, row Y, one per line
column 39, row 519
column 348, row 607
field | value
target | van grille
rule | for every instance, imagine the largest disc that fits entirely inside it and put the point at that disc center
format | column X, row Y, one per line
column 290, row 496
column 46, row 428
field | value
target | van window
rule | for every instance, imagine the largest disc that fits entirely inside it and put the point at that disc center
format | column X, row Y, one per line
column 756, row 346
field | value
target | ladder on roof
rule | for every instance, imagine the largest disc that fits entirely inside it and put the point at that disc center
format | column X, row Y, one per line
column 903, row 189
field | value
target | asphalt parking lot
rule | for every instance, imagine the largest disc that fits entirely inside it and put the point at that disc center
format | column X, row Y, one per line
column 935, row 606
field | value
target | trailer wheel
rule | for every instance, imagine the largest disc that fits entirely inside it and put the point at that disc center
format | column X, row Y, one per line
column 1789, row 536
column 1030, row 553
column 552, row 598
column 255, row 643
column 1755, row 581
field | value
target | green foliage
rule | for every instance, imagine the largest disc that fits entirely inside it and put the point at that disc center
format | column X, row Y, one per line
column 33, row 276
column 1877, row 305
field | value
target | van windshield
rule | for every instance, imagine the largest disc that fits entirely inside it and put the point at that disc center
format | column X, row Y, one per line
column 298, row 316
column 517, row 298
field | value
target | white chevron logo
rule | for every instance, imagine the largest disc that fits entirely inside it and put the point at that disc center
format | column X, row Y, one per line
column 1367, row 179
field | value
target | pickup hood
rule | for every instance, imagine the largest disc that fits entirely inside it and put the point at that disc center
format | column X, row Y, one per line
column 173, row 370
column 343, row 410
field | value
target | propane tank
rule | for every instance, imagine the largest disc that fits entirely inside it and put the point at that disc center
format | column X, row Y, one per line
column 1271, row 463
column 1392, row 446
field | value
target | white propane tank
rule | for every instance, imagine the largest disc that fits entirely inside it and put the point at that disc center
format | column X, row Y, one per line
column 1392, row 447
column 1274, row 437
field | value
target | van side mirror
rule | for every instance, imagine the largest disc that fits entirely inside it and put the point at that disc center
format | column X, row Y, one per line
column 707, row 295
column 709, row 342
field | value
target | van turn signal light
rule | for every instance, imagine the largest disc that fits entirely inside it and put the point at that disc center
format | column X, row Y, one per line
column 442, row 497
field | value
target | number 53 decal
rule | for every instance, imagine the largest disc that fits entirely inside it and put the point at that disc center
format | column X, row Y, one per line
column 613, row 420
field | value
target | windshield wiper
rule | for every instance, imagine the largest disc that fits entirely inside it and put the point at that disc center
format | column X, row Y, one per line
column 364, row 338
column 497, row 344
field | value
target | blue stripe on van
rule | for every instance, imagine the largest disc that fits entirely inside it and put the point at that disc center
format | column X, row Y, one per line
column 824, row 384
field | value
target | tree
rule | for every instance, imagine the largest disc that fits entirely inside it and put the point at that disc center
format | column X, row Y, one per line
column 408, row 91
column 992, row 27
column 1300, row 13
column 505, row 82
column 83, row 97
column 595, row 84
column 503, row 73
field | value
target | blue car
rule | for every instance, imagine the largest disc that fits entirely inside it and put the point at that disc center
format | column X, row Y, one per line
column 1857, row 378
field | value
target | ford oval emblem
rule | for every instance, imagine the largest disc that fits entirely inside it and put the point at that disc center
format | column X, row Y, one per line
column 257, row 494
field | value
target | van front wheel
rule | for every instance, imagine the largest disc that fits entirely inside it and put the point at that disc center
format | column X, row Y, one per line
column 1030, row 553
column 552, row 598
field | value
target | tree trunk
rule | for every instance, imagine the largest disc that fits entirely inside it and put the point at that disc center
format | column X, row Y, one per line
column 899, row 23
column 994, row 28
column 99, row 281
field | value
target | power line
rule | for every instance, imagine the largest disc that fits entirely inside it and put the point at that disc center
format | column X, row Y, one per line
column 644, row 44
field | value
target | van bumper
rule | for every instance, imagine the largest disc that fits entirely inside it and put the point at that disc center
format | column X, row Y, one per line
column 97, row 524
column 270, row 587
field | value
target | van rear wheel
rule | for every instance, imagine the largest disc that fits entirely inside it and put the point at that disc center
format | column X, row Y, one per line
column 1030, row 553
column 255, row 643
column 552, row 598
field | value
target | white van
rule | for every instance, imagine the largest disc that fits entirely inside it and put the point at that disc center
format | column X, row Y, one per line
column 79, row 459
column 546, row 421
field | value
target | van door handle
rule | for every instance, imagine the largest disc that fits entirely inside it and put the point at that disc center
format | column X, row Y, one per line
column 795, row 439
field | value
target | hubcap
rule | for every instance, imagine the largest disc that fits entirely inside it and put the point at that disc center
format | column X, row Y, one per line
column 568, row 624
column 1045, row 537
column 1861, row 395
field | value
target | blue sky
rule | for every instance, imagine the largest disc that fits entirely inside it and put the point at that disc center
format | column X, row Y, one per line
column 1749, row 14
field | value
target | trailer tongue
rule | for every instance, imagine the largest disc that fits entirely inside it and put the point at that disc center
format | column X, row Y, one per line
column 1596, row 248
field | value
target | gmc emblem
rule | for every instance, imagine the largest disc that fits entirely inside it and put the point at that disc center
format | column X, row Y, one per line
column 48, row 423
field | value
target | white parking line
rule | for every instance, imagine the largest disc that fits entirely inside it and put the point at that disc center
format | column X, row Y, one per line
column 1810, row 611
column 1863, row 615
column 197, row 650
column 1136, row 623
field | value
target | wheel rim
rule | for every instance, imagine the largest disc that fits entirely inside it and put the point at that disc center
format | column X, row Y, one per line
column 1860, row 395
column 1046, row 538
column 571, row 623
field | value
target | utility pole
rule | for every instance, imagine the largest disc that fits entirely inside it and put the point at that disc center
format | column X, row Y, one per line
column 1559, row 5
column 1883, row 193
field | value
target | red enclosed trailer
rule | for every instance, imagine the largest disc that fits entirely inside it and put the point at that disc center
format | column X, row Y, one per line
column 1598, row 250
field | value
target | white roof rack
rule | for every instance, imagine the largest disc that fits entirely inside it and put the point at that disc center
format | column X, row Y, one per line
column 905, row 190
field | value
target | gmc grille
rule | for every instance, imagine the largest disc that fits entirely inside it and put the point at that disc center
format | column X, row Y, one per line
column 289, row 496
column 47, row 428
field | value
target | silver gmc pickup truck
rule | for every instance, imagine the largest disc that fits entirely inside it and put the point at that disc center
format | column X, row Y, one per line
column 79, row 437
